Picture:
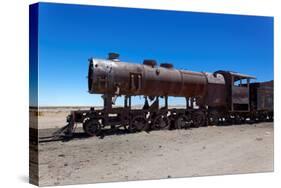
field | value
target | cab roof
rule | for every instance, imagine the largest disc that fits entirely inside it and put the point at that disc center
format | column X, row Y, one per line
column 242, row 75
column 236, row 74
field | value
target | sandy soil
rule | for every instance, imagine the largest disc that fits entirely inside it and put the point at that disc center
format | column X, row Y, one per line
column 159, row 154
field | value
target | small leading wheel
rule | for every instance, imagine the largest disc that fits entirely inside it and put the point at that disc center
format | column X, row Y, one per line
column 92, row 127
column 139, row 123
column 182, row 122
column 161, row 121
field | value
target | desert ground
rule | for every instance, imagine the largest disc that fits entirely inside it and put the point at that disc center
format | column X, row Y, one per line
column 213, row 150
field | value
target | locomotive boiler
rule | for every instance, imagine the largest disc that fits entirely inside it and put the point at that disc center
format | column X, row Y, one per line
column 113, row 77
column 210, row 98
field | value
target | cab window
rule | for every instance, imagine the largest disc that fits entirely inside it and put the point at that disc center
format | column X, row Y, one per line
column 241, row 82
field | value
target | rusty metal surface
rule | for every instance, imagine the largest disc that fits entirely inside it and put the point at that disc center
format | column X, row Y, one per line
column 240, row 95
column 265, row 96
column 108, row 76
column 265, row 99
column 216, row 95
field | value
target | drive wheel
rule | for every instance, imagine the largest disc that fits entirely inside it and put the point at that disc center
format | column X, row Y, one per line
column 182, row 122
column 139, row 123
column 92, row 127
column 161, row 121
column 199, row 119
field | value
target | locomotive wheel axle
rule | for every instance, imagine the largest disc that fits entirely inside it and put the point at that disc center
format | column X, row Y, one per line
column 139, row 123
column 161, row 121
column 183, row 122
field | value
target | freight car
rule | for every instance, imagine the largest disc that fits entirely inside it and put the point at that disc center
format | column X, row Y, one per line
column 222, row 97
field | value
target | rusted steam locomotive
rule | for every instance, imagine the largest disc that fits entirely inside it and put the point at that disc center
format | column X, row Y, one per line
column 222, row 97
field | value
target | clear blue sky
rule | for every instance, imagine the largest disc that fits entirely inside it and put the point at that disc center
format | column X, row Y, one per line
column 70, row 34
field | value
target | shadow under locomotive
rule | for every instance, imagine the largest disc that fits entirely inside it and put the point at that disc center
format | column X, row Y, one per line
column 219, row 98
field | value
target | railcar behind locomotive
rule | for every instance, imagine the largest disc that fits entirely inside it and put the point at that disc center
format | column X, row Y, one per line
column 211, row 98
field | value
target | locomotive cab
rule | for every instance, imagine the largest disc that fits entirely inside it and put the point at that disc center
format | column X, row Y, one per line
column 237, row 91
